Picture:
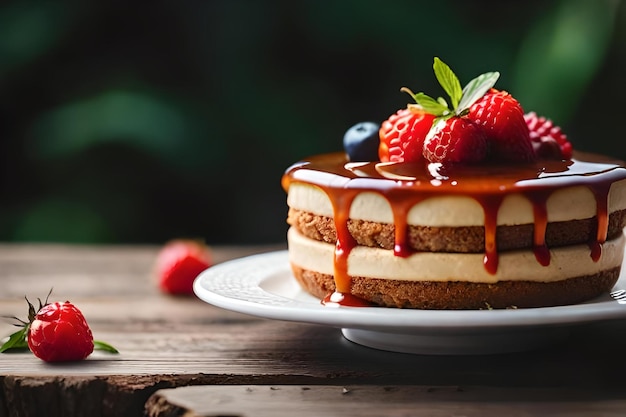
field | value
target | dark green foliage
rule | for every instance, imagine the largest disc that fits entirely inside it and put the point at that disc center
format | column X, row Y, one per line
column 134, row 122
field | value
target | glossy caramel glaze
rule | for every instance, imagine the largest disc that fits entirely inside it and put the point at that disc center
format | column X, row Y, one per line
column 406, row 184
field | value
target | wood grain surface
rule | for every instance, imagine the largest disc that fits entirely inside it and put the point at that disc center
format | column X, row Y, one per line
column 375, row 401
column 168, row 342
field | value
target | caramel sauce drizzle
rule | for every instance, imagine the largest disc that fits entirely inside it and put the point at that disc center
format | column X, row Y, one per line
column 405, row 185
column 601, row 192
column 345, row 242
column 539, row 200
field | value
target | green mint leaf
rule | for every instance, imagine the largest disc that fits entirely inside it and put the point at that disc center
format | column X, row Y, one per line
column 430, row 105
column 448, row 81
column 475, row 89
column 99, row 345
column 16, row 341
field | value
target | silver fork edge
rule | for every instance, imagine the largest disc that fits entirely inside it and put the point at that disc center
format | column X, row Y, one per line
column 619, row 296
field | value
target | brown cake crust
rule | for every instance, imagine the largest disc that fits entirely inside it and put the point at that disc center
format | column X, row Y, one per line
column 464, row 295
column 469, row 239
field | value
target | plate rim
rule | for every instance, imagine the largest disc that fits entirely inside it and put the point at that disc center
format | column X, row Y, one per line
column 277, row 307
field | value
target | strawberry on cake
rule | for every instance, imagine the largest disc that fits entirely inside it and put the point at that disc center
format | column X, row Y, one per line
column 465, row 203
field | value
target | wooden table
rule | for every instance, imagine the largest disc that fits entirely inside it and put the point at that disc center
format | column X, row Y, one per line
column 182, row 357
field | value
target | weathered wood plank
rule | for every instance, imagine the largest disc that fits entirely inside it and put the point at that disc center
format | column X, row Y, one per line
column 168, row 342
column 115, row 289
column 110, row 284
column 264, row 353
column 367, row 400
column 241, row 347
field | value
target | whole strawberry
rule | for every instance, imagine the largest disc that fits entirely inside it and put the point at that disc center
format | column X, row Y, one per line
column 455, row 140
column 59, row 333
column 402, row 135
column 178, row 264
column 502, row 118
column 55, row 332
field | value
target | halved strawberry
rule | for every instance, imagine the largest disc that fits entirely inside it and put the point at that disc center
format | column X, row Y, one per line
column 547, row 139
column 502, row 118
column 402, row 135
column 455, row 140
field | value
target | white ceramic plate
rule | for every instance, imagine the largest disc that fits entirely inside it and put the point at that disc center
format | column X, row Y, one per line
column 263, row 285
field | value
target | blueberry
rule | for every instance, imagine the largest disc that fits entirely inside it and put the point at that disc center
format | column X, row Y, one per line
column 361, row 142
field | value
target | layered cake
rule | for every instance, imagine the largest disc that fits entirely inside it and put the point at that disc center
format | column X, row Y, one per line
column 465, row 203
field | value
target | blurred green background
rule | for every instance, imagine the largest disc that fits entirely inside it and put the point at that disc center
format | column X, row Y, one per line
column 138, row 122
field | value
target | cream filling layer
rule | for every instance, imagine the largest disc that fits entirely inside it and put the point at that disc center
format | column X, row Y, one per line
column 565, row 262
column 572, row 203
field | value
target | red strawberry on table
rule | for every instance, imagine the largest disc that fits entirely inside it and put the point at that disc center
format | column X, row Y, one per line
column 502, row 118
column 402, row 135
column 59, row 332
column 456, row 139
column 178, row 264
column 55, row 332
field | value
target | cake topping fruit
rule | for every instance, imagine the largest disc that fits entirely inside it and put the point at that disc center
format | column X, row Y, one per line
column 402, row 135
column 456, row 139
column 509, row 136
column 178, row 264
column 414, row 133
column 547, row 139
column 361, row 141
column 55, row 332
column 502, row 118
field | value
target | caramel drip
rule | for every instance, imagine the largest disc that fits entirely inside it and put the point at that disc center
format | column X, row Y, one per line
column 342, row 201
column 336, row 299
column 401, row 206
column 405, row 185
column 345, row 242
column 491, row 206
column 539, row 200
column 601, row 192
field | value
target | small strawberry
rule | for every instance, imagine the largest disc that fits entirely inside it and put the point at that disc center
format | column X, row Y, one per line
column 402, row 135
column 502, row 118
column 547, row 139
column 60, row 332
column 178, row 264
column 55, row 332
column 456, row 139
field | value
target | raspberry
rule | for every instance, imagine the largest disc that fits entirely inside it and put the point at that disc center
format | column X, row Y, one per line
column 547, row 139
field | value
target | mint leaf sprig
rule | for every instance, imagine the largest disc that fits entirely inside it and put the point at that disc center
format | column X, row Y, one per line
column 18, row 340
column 461, row 99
